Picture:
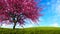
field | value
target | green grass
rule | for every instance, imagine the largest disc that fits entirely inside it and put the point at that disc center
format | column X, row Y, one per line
column 33, row 30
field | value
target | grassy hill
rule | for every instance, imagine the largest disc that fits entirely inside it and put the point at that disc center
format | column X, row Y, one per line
column 33, row 30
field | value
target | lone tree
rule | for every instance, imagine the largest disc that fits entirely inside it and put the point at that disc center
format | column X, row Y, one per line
column 19, row 10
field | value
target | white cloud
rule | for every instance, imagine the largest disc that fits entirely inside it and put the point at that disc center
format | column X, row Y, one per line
column 55, row 24
column 58, row 9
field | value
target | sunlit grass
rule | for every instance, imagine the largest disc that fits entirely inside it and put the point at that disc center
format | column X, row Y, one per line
column 33, row 30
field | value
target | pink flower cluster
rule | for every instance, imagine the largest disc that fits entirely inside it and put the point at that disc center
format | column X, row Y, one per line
column 19, row 9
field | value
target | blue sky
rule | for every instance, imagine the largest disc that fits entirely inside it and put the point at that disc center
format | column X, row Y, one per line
column 51, row 14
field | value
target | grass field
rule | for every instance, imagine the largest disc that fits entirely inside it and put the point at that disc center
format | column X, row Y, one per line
column 33, row 30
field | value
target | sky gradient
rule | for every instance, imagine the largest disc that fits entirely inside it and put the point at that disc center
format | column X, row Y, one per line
column 51, row 13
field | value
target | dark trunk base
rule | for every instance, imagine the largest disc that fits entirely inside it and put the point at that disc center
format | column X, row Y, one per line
column 14, row 25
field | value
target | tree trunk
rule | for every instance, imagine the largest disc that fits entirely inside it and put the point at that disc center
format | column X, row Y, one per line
column 14, row 25
column 15, row 21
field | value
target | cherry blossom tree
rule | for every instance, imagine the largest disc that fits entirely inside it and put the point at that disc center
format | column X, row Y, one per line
column 18, row 10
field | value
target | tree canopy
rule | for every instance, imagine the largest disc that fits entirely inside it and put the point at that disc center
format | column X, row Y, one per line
column 18, row 10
